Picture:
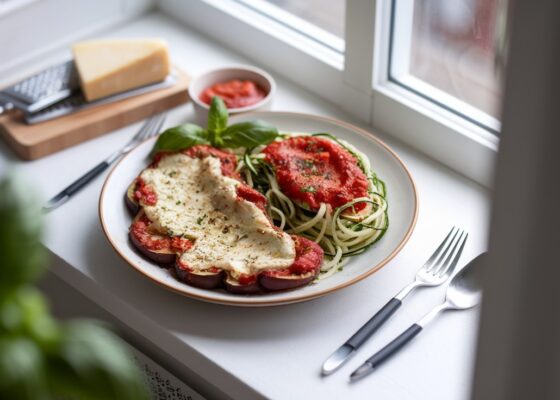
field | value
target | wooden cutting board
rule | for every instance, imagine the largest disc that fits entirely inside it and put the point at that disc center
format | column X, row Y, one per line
column 35, row 141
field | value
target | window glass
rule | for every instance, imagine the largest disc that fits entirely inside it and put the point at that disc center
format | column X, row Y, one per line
column 446, row 50
column 7, row 6
column 322, row 21
column 329, row 17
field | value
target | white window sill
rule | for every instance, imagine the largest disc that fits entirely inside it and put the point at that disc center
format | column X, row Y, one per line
column 230, row 347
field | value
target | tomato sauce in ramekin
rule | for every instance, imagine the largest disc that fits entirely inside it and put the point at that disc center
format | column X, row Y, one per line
column 235, row 93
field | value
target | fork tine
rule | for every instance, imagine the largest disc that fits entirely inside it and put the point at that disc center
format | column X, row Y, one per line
column 143, row 130
column 438, row 250
column 440, row 259
column 153, row 126
column 158, row 126
column 444, row 252
column 444, row 267
column 453, row 264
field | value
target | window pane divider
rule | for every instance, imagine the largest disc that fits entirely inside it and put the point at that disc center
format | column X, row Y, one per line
column 434, row 130
column 275, row 47
column 358, row 62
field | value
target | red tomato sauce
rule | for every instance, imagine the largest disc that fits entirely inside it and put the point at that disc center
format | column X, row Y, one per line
column 314, row 170
column 186, row 267
column 180, row 244
column 140, row 230
column 153, row 241
column 248, row 193
column 227, row 159
column 144, row 193
column 246, row 279
column 309, row 257
column 235, row 93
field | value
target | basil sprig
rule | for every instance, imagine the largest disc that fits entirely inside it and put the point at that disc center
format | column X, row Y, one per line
column 217, row 120
column 180, row 137
column 247, row 134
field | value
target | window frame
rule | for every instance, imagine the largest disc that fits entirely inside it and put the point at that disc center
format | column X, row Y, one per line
column 78, row 21
column 400, row 36
column 268, row 43
column 358, row 81
column 438, row 132
column 295, row 22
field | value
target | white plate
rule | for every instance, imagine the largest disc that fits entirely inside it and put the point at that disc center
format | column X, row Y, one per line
column 403, row 208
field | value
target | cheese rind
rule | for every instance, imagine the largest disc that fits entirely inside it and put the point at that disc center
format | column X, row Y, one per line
column 108, row 67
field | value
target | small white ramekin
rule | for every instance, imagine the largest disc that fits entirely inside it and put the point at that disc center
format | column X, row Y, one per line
column 224, row 74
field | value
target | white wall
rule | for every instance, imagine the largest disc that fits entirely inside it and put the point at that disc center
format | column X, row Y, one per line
column 40, row 26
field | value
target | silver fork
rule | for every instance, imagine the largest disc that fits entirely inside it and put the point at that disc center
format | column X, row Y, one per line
column 463, row 292
column 435, row 271
column 149, row 129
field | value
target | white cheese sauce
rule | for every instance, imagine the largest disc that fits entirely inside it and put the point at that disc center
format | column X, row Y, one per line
column 196, row 201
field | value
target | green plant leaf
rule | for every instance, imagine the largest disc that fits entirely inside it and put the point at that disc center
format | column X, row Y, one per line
column 39, row 360
column 25, row 312
column 22, row 369
column 249, row 134
column 180, row 137
column 23, row 256
column 92, row 364
column 217, row 118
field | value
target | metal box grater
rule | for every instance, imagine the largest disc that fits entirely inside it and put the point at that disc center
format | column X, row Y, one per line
column 55, row 92
column 76, row 101
column 43, row 89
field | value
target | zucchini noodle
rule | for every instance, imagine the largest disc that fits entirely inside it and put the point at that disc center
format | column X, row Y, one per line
column 339, row 232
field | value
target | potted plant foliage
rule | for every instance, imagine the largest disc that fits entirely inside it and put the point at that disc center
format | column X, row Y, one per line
column 41, row 358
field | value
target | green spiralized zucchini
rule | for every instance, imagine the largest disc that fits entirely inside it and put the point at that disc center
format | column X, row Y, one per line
column 340, row 235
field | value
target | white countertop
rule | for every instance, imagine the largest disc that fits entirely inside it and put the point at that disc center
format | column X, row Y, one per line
column 272, row 352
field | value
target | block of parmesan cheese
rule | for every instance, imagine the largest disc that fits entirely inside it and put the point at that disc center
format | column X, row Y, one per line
column 108, row 67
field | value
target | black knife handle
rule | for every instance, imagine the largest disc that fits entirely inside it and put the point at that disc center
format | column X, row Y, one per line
column 387, row 351
column 86, row 178
column 374, row 323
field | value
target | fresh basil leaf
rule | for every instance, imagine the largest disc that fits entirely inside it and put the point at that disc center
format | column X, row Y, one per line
column 249, row 134
column 180, row 137
column 217, row 119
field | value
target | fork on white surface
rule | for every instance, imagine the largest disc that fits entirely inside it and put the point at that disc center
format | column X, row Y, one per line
column 435, row 271
column 149, row 129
